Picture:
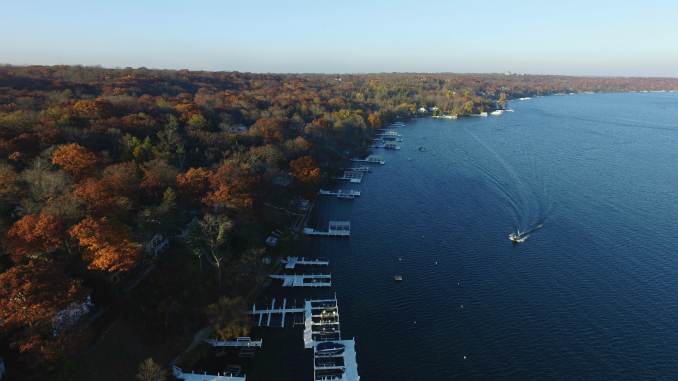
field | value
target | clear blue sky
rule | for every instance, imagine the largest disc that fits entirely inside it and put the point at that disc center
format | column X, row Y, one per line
column 570, row 37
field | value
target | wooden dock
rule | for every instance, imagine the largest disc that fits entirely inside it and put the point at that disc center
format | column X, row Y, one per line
column 290, row 262
column 336, row 229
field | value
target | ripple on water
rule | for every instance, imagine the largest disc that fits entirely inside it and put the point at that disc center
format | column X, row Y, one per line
column 591, row 295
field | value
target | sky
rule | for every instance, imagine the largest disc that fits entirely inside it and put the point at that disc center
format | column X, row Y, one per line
column 573, row 37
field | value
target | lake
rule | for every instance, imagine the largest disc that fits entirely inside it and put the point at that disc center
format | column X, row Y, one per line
column 591, row 294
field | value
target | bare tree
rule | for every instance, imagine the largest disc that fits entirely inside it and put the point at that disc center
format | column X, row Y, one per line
column 208, row 237
column 150, row 370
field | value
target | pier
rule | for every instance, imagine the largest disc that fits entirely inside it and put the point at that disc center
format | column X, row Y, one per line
column 313, row 280
column 350, row 194
column 389, row 133
column 290, row 262
column 321, row 324
column 387, row 145
column 355, row 177
column 336, row 229
column 378, row 159
column 241, row 342
column 227, row 376
column 270, row 311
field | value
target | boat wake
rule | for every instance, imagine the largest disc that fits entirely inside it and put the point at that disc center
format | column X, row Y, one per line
column 520, row 181
column 522, row 236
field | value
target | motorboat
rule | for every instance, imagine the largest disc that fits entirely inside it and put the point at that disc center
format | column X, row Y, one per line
column 518, row 236
column 330, row 348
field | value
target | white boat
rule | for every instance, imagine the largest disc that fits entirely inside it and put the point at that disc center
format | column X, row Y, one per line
column 518, row 237
column 497, row 112
column 329, row 348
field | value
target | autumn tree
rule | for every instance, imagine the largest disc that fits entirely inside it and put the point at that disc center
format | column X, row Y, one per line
column 9, row 185
column 193, row 185
column 299, row 147
column 76, row 160
column 271, row 129
column 227, row 319
column 233, row 191
column 33, row 235
column 91, row 109
column 375, row 121
column 318, row 127
column 31, row 297
column 108, row 244
column 305, row 174
column 115, row 193
column 157, row 177
column 10, row 194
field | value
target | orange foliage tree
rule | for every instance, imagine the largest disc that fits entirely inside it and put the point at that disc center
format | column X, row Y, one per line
column 91, row 109
column 375, row 121
column 233, row 191
column 305, row 174
column 271, row 129
column 34, row 234
column 193, row 185
column 116, row 192
column 108, row 244
column 31, row 297
column 76, row 160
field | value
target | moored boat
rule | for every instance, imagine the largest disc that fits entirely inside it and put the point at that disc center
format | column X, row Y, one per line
column 329, row 348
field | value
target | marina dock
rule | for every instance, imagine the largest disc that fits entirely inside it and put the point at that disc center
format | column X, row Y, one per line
column 313, row 280
column 178, row 373
column 241, row 342
column 281, row 311
column 336, row 229
column 290, row 262
column 321, row 325
column 355, row 177
column 387, row 145
column 350, row 194
column 377, row 159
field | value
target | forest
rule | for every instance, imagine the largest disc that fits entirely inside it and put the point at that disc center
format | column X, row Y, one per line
column 102, row 170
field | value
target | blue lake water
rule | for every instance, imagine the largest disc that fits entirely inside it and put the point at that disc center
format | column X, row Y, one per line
column 592, row 294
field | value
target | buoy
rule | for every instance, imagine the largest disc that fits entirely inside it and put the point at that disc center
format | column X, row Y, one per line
column 464, row 357
column 462, row 306
column 436, row 263
column 399, row 259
